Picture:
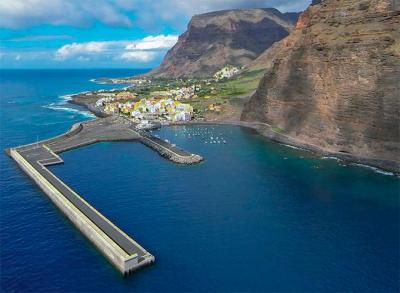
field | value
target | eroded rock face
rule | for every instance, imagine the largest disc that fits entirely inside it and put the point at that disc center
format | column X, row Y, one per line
column 215, row 39
column 334, row 82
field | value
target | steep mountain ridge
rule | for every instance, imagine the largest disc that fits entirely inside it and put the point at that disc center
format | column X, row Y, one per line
column 215, row 39
column 334, row 82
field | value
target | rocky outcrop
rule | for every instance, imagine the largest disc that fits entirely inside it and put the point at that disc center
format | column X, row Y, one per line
column 216, row 39
column 335, row 81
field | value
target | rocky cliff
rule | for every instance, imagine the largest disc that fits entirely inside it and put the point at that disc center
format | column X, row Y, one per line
column 334, row 82
column 215, row 39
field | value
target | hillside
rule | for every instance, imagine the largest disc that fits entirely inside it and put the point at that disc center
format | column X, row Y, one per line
column 334, row 82
column 215, row 39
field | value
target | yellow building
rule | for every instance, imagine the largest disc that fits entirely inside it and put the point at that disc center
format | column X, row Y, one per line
column 215, row 107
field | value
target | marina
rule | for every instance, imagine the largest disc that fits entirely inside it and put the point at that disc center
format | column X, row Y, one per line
column 122, row 251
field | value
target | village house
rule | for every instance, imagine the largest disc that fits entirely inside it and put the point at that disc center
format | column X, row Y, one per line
column 102, row 101
column 150, row 109
column 111, row 108
column 226, row 73
column 158, row 109
column 184, row 93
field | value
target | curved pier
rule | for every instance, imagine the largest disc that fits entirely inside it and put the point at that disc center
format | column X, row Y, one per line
column 121, row 250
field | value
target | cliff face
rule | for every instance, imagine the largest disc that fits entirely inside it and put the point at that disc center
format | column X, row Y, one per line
column 215, row 39
column 335, row 81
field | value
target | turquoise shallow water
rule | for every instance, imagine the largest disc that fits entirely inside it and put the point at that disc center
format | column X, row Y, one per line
column 254, row 216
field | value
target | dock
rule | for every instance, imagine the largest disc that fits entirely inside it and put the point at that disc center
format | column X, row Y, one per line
column 121, row 250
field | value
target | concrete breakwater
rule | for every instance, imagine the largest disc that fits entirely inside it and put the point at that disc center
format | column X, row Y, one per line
column 120, row 249
column 167, row 150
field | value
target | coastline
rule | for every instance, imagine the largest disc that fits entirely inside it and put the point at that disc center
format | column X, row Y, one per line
column 266, row 131
column 79, row 100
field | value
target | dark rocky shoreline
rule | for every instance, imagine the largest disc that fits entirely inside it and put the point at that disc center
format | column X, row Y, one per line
column 88, row 103
column 266, row 131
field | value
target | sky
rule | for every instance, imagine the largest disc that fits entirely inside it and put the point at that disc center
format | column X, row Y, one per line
column 103, row 33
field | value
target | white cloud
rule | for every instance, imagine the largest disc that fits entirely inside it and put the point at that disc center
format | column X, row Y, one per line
column 139, row 56
column 143, row 50
column 147, row 49
column 157, row 42
column 27, row 13
column 79, row 49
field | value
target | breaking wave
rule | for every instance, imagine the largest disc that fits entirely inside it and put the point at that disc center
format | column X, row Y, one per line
column 66, row 98
column 58, row 107
column 63, row 106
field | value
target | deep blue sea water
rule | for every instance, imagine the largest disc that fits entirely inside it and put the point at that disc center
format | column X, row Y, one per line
column 254, row 216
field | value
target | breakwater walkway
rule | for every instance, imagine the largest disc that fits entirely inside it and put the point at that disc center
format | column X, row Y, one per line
column 122, row 251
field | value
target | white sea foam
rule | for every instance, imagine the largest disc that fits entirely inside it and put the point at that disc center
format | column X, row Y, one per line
column 62, row 106
column 291, row 146
column 59, row 107
column 377, row 170
column 294, row 147
column 97, row 81
column 330, row 158
column 66, row 98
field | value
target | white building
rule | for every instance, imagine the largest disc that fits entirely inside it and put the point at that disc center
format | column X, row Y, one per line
column 183, row 116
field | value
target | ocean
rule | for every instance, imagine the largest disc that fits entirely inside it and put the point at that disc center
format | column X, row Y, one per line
column 254, row 216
